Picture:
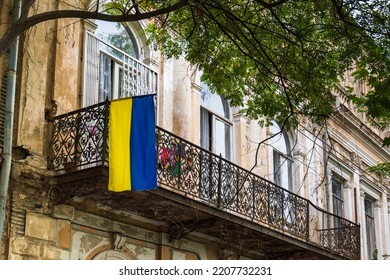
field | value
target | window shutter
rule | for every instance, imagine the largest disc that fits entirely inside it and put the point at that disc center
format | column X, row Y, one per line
column 91, row 70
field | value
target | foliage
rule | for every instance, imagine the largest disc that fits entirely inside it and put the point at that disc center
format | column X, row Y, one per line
column 382, row 169
column 282, row 58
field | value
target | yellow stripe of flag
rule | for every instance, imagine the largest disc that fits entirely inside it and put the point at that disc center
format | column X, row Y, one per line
column 119, row 147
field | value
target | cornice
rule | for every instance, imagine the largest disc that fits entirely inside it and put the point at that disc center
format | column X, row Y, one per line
column 361, row 131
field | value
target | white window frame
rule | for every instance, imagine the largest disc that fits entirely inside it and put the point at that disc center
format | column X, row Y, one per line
column 285, row 158
column 374, row 195
column 337, row 198
column 370, row 242
column 213, row 117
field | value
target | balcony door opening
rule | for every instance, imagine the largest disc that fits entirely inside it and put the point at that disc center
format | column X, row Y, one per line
column 370, row 227
column 120, row 42
column 283, row 207
column 216, row 137
column 215, row 124
column 338, row 203
column 112, row 66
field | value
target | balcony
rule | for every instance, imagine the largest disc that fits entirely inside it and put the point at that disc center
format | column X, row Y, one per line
column 198, row 191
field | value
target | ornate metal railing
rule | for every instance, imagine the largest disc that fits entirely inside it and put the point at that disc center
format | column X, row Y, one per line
column 196, row 172
column 80, row 141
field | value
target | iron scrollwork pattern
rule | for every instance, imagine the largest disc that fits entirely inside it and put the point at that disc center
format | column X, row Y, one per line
column 80, row 139
column 216, row 181
column 340, row 235
column 197, row 173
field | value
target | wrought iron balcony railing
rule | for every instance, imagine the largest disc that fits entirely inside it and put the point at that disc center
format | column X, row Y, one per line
column 80, row 141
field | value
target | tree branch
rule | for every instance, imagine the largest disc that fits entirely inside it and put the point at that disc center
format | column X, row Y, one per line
column 26, row 7
column 343, row 18
column 25, row 23
column 268, row 5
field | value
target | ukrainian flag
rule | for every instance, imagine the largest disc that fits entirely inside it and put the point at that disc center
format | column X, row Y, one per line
column 132, row 144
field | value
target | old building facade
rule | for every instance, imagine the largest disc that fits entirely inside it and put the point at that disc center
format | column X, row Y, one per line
column 224, row 192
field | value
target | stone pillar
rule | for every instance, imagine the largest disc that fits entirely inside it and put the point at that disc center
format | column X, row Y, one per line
column 363, row 237
column 240, row 142
column 328, row 192
column 388, row 230
column 386, row 226
column 358, row 206
column 195, row 107
column 299, row 178
column 182, row 106
column 348, row 201
column 378, row 228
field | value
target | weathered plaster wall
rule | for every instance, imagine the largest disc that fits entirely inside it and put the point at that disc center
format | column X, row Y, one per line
column 68, row 233
column 68, row 65
column 36, row 81
column 165, row 89
column 28, row 193
column 182, row 107
column 50, row 76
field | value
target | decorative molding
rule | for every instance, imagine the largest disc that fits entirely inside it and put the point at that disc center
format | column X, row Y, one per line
column 225, row 254
column 347, row 185
column 342, row 172
column 299, row 154
column 377, row 204
column 90, row 25
column 117, row 241
column 362, row 193
column 239, row 117
column 152, row 62
column 369, row 135
column 197, row 88
column 111, row 255
column 355, row 158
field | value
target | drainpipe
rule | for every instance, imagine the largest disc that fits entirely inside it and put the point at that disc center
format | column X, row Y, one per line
column 8, row 122
column 327, row 183
column 326, row 170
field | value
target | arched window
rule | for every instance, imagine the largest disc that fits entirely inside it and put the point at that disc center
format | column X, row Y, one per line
column 215, row 123
column 281, row 157
column 118, row 35
column 112, row 62
column 117, row 43
column 111, row 255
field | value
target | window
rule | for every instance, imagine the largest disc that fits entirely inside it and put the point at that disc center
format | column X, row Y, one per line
column 282, row 161
column 337, row 201
column 282, row 207
column 119, row 36
column 120, row 43
column 112, row 70
column 215, row 124
column 370, row 227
